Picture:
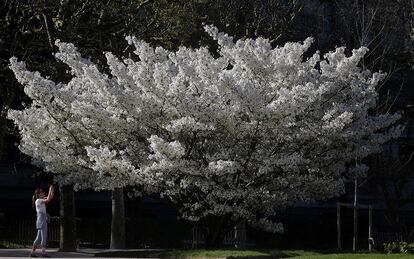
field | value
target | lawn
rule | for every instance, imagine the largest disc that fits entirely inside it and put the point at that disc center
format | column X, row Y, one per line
column 262, row 254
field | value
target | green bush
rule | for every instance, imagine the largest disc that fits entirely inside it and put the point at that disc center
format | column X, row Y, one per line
column 399, row 247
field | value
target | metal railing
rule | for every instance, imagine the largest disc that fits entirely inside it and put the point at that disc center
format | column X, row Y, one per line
column 23, row 231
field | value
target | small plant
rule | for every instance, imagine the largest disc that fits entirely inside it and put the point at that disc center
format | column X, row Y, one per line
column 399, row 247
column 403, row 247
column 390, row 247
column 10, row 245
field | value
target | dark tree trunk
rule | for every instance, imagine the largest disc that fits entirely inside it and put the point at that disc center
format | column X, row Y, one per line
column 240, row 234
column 67, row 241
column 216, row 230
column 118, row 219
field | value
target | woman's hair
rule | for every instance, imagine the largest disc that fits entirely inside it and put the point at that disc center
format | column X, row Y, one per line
column 36, row 196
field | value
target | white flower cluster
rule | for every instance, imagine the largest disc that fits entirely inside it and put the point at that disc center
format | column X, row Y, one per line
column 243, row 134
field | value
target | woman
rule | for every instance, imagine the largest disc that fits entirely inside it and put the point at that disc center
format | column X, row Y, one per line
column 39, row 201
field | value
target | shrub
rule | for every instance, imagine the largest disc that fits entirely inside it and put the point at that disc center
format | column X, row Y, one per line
column 399, row 247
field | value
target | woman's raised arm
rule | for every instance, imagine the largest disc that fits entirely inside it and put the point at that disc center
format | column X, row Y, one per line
column 50, row 194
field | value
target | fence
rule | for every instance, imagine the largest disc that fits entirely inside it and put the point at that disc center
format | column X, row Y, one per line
column 23, row 231
column 387, row 237
column 95, row 232
column 232, row 237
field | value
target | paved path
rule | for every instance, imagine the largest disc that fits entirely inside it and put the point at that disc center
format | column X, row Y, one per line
column 18, row 253
column 82, row 253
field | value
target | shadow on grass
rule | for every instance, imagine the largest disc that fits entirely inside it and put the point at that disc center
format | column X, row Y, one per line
column 134, row 254
column 271, row 256
column 230, row 254
column 246, row 254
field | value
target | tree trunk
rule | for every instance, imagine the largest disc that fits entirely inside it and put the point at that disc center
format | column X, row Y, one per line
column 118, row 219
column 240, row 234
column 67, row 241
column 214, row 238
column 215, row 230
column 355, row 239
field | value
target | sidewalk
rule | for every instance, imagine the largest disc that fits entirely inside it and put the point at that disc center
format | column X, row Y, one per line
column 24, row 252
column 82, row 253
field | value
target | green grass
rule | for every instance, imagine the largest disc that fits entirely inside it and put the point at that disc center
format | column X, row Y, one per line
column 218, row 253
column 233, row 253
column 354, row 255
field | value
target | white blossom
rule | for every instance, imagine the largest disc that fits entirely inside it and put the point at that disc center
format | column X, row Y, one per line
column 243, row 133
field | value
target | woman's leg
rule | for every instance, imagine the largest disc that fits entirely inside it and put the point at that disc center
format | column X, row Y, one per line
column 44, row 238
column 37, row 240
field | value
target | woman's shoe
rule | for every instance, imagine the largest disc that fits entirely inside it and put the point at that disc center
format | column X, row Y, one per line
column 45, row 255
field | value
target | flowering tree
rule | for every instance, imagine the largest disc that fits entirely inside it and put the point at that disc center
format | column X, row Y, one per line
column 55, row 133
column 238, row 134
